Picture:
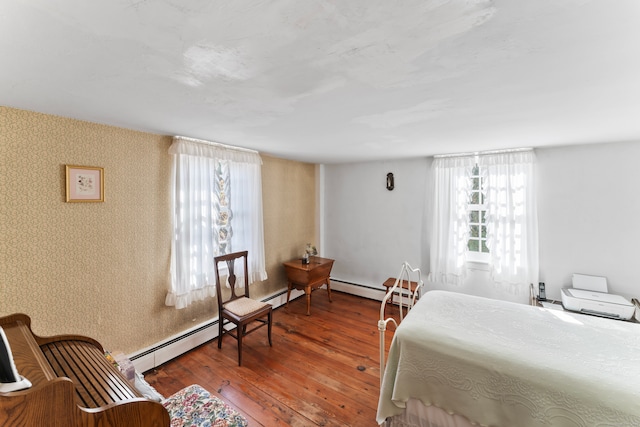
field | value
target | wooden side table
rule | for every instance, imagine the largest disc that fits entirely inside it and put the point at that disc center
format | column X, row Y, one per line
column 388, row 284
column 308, row 276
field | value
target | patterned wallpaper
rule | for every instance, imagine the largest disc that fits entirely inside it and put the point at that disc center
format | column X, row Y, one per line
column 102, row 269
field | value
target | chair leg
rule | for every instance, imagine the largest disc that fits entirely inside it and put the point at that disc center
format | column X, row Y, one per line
column 269, row 327
column 240, row 334
column 220, row 331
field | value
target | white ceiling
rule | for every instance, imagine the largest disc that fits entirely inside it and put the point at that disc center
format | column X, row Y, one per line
column 333, row 80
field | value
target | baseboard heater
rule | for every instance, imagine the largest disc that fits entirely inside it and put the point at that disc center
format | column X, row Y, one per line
column 162, row 352
column 359, row 289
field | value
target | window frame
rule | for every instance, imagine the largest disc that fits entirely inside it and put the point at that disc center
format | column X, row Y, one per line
column 477, row 193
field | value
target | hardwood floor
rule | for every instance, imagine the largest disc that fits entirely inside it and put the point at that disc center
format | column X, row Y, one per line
column 323, row 369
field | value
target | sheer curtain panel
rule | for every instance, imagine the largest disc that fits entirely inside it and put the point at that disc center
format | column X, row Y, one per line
column 512, row 219
column 450, row 227
column 199, row 174
column 246, row 204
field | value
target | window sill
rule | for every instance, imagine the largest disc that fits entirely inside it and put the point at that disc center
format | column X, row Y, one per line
column 478, row 265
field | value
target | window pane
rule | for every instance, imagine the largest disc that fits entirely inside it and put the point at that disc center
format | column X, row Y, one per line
column 477, row 214
column 475, row 198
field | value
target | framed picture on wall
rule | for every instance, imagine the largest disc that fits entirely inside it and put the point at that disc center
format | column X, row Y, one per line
column 85, row 184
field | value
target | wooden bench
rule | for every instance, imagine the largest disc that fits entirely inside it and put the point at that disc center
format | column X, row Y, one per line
column 388, row 284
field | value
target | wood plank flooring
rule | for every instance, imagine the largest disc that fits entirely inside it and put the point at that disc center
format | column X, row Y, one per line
column 323, row 369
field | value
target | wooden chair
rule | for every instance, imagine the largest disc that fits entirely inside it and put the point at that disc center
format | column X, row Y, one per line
column 240, row 310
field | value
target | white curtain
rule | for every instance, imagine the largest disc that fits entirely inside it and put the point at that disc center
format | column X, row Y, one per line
column 194, row 213
column 246, row 204
column 450, row 227
column 512, row 219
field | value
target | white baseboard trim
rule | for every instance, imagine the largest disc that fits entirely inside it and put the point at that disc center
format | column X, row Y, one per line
column 172, row 347
column 364, row 291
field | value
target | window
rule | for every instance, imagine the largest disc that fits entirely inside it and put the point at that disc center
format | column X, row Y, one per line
column 216, row 209
column 477, row 244
column 488, row 215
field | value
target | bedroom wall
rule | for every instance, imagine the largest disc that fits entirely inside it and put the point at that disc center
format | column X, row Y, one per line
column 587, row 209
column 369, row 230
column 588, row 215
column 101, row 269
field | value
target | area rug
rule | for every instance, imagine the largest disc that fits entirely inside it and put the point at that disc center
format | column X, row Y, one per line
column 194, row 406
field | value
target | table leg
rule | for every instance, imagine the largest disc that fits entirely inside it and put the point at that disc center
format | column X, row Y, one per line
column 329, row 289
column 288, row 295
column 307, row 290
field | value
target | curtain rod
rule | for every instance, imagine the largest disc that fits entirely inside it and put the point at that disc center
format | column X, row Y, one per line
column 215, row 144
column 480, row 153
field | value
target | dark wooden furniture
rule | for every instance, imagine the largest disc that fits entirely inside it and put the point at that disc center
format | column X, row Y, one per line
column 240, row 310
column 411, row 288
column 73, row 384
column 308, row 276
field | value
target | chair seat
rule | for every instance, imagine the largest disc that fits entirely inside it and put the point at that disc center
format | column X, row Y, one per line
column 243, row 306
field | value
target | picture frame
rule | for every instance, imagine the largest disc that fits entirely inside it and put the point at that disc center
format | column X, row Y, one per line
column 85, row 184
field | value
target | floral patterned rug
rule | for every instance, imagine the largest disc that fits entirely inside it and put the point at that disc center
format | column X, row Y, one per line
column 194, row 406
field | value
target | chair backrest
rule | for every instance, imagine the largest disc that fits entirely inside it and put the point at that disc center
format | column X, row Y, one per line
column 230, row 261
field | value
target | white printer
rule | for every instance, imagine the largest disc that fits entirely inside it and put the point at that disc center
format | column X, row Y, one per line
column 589, row 296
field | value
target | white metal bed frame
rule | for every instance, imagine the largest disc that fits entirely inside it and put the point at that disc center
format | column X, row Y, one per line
column 406, row 272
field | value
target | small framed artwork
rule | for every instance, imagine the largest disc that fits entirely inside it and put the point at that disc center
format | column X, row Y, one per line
column 85, row 184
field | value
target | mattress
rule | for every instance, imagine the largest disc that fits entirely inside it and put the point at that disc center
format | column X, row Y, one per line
column 498, row 363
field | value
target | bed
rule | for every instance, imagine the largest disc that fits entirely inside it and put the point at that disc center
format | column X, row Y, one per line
column 458, row 360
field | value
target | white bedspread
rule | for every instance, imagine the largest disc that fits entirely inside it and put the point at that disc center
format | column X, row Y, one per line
column 512, row 365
